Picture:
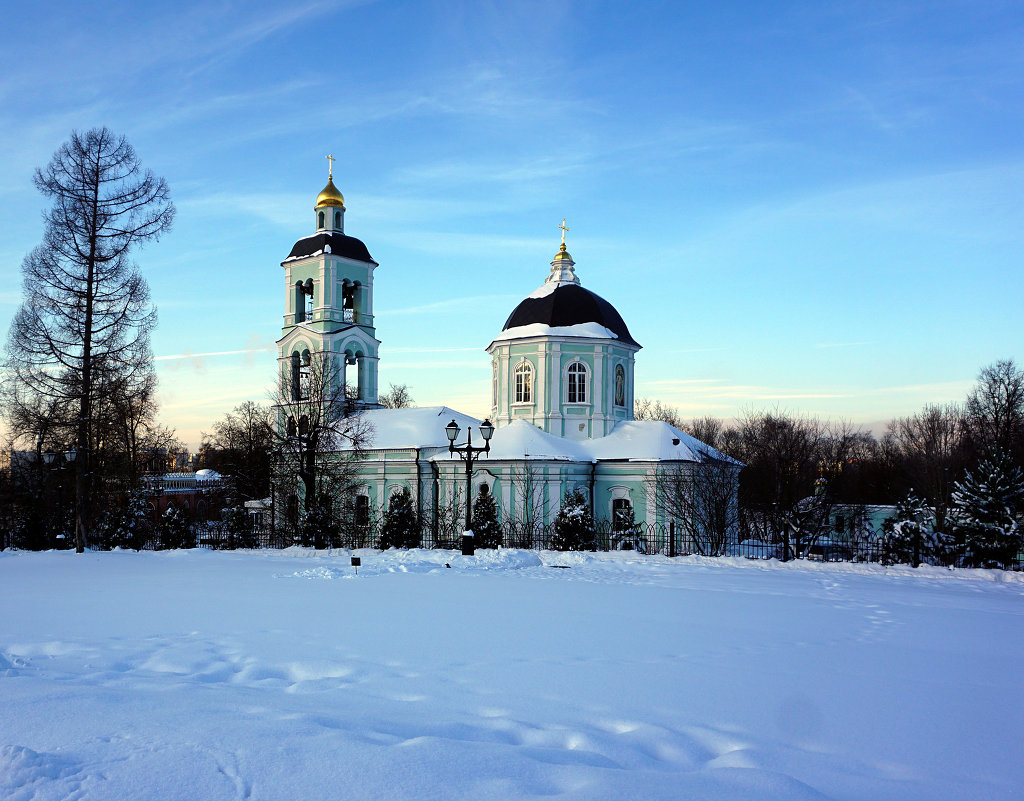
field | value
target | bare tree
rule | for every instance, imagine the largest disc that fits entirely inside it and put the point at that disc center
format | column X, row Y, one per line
column 647, row 409
column 529, row 506
column 86, row 317
column 398, row 397
column 319, row 437
column 995, row 409
column 930, row 447
column 702, row 498
column 240, row 447
column 709, row 430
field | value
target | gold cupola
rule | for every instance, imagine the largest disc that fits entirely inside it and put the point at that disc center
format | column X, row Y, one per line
column 330, row 196
column 563, row 255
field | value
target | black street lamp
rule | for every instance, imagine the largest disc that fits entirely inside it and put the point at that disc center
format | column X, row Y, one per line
column 53, row 463
column 467, row 453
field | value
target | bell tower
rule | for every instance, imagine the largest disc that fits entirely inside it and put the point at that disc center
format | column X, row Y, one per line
column 329, row 301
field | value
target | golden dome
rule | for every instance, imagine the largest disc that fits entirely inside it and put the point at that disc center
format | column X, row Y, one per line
column 563, row 254
column 330, row 196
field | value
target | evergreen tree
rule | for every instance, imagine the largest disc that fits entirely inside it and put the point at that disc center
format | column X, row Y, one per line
column 906, row 536
column 320, row 526
column 400, row 528
column 486, row 531
column 134, row 526
column 175, row 529
column 986, row 505
column 574, row 524
column 239, row 527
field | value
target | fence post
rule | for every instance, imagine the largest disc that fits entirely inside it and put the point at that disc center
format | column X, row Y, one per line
column 671, row 538
column 785, row 543
column 917, row 545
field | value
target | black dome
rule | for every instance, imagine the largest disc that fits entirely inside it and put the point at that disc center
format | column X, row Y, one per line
column 341, row 245
column 570, row 304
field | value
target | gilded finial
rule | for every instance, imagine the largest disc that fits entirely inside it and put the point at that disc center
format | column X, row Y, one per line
column 564, row 228
column 330, row 167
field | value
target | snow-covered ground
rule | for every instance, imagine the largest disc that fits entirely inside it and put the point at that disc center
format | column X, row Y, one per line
column 282, row 675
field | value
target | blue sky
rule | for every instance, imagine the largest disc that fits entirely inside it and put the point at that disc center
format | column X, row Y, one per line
column 812, row 206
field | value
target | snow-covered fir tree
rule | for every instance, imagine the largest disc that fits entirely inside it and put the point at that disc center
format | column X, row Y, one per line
column 986, row 509
column 239, row 527
column 907, row 535
column 400, row 528
column 574, row 524
column 319, row 527
column 486, row 531
column 175, row 529
column 133, row 525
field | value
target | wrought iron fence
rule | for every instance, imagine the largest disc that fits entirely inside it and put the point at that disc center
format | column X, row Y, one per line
column 667, row 540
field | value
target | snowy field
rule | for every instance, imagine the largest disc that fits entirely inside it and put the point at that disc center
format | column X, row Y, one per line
column 281, row 675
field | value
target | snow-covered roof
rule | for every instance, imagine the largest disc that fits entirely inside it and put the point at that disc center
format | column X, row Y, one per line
column 419, row 427
column 590, row 330
column 650, row 440
column 519, row 440
column 633, row 440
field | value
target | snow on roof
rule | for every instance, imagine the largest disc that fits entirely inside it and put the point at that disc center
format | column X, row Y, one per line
column 589, row 330
column 519, row 440
column 649, row 440
column 419, row 427
column 633, row 440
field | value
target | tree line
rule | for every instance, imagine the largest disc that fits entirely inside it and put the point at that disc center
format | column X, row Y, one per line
column 954, row 468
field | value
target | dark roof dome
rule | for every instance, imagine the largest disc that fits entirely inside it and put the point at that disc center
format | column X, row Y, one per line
column 566, row 304
column 338, row 244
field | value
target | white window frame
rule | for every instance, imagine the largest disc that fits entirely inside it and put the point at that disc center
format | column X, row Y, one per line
column 522, row 394
column 571, row 370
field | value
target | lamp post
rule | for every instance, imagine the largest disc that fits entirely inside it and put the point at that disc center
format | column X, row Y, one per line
column 468, row 453
column 53, row 463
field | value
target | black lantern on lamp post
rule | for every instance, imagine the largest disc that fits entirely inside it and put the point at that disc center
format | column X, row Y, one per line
column 468, row 453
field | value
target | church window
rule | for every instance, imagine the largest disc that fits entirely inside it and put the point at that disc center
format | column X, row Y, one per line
column 524, row 383
column 577, row 383
column 622, row 514
column 296, row 376
column 337, row 220
column 320, row 220
column 304, row 368
column 620, row 385
column 348, row 300
column 362, row 511
column 300, row 306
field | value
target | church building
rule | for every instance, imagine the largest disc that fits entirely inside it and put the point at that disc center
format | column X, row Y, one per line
column 562, row 376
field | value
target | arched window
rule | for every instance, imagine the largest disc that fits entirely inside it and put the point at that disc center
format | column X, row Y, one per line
column 620, row 385
column 337, row 220
column 300, row 303
column 576, row 386
column 524, row 383
column 362, row 511
column 320, row 220
column 304, row 376
column 296, row 376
